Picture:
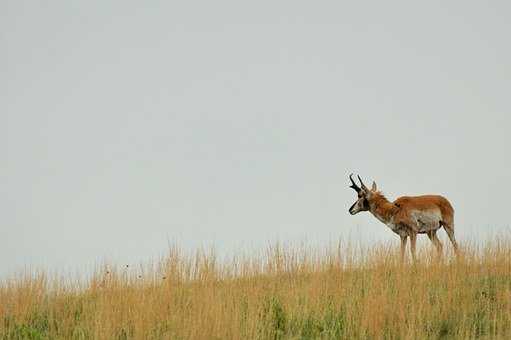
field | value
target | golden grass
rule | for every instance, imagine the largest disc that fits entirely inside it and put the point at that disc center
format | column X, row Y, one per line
column 283, row 293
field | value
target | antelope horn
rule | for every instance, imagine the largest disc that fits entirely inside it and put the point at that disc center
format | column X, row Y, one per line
column 353, row 185
column 362, row 183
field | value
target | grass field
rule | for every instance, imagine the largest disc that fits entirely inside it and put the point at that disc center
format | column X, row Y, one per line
column 291, row 292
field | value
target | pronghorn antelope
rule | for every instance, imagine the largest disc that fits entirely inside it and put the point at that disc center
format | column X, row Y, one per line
column 407, row 216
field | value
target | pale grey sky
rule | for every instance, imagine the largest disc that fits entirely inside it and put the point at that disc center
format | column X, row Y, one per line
column 126, row 124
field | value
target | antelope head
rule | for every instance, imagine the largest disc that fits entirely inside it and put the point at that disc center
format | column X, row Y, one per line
column 364, row 195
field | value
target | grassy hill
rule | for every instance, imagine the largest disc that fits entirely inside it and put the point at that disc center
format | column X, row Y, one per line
column 282, row 293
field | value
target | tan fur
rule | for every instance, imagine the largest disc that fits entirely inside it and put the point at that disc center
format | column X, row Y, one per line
column 408, row 216
column 400, row 210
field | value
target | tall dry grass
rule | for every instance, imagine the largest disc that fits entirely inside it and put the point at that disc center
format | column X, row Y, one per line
column 284, row 293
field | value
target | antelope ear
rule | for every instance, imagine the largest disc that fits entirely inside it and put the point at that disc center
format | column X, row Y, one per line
column 374, row 186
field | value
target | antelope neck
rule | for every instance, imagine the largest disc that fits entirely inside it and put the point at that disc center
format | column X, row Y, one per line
column 382, row 208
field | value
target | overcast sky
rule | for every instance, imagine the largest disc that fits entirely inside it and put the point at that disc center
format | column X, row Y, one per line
column 234, row 124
